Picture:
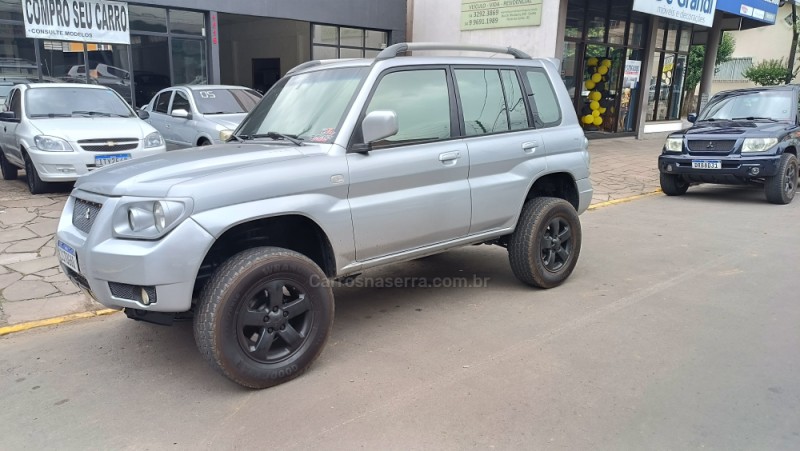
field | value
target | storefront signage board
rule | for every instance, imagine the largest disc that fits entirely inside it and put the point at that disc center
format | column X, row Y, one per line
column 77, row 20
column 478, row 15
column 762, row 10
column 631, row 75
column 698, row 12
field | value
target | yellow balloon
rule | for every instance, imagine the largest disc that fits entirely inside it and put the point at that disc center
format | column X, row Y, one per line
column 592, row 61
column 597, row 78
column 589, row 84
column 595, row 113
column 594, row 105
column 602, row 110
column 588, row 119
column 602, row 70
column 598, row 120
column 595, row 96
column 606, row 63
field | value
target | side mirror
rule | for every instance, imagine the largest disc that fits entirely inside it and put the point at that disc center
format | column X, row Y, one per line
column 692, row 117
column 143, row 114
column 7, row 116
column 379, row 125
column 181, row 113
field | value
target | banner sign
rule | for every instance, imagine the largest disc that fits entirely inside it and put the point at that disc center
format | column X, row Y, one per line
column 761, row 10
column 77, row 20
column 698, row 12
column 482, row 14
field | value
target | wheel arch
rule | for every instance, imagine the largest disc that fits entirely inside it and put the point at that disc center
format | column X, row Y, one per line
column 201, row 138
column 555, row 184
column 791, row 149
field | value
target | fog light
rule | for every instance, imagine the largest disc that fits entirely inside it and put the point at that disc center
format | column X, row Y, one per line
column 145, row 297
column 754, row 171
column 669, row 168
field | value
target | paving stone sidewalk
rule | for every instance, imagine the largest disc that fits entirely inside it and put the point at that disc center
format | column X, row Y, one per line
column 32, row 286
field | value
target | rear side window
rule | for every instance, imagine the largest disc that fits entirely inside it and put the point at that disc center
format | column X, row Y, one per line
column 482, row 101
column 515, row 99
column 162, row 102
column 421, row 101
column 543, row 98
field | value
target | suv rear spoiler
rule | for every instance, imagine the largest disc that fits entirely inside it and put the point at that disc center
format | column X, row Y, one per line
column 403, row 47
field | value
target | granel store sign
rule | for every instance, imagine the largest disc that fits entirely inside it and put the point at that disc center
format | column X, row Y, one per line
column 77, row 20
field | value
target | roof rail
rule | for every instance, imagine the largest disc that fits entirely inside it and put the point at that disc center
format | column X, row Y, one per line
column 305, row 65
column 403, row 47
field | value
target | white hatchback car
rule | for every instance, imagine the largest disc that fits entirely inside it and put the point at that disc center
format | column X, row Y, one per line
column 58, row 132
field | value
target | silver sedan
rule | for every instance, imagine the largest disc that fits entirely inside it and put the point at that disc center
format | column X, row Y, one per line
column 199, row 115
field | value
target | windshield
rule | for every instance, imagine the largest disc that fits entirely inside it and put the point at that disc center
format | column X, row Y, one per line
column 776, row 105
column 65, row 102
column 308, row 106
column 225, row 101
column 5, row 89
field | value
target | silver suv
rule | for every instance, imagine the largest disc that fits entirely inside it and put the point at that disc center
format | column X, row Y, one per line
column 343, row 166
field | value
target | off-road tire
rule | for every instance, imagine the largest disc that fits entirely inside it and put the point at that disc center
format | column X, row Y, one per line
column 528, row 248
column 10, row 172
column 226, row 300
column 673, row 185
column 781, row 188
column 35, row 184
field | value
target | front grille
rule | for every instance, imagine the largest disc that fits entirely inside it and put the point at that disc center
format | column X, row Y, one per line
column 132, row 292
column 109, row 145
column 711, row 145
column 84, row 213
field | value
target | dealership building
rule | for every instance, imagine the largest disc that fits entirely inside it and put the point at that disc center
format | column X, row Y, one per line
column 623, row 61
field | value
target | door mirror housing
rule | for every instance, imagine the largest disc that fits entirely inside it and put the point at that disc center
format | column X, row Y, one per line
column 181, row 113
column 8, row 116
column 379, row 125
column 692, row 117
column 143, row 114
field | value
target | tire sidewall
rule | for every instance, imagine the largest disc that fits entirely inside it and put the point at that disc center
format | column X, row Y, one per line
column 564, row 211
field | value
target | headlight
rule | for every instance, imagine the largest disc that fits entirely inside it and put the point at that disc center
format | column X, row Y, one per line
column 51, row 144
column 758, row 144
column 224, row 135
column 153, row 140
column 149, row 219
column 674, row 145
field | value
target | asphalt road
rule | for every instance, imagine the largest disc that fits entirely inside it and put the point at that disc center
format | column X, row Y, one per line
column 680, row 328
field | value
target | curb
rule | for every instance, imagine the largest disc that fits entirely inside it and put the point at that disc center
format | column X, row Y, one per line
column 623, row 200
column 21, row 327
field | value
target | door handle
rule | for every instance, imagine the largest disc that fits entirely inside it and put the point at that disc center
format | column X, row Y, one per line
column 448, row 157
column 530, row 146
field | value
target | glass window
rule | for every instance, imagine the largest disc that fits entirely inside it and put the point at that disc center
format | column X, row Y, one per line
column 345, row 52
column 77, row 101
column 62, row 61
column 618, row 22
column 16, row 105
column 371, row 53
column 10, row 10
column 375, row 39
column 421, row 100
column 310, row 106
column 322, row 52
column 351, row 37
column 672, row 37
column 108, row 66
column 150, row 67
column 189, row 61
column 162, row 102
column 187, row 22
column 575, row 18
column 17, row 54
column 482, row 101
column 515, row 99
column 686, row 38
column 655, row 77
column 596, row 20
column 180, row 102
column 776, row 105
column 568, row 68
column 543, row 101
column 660, row 34
column 225, row 101
column 145, row 18
column 324, row 34
column 676, row 86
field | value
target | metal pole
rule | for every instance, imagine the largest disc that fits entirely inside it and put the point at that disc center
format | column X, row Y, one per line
column 710, row 62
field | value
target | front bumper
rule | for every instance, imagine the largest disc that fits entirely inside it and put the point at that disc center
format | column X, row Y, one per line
column 734, row 167
column 68, row 166
column 115, row 271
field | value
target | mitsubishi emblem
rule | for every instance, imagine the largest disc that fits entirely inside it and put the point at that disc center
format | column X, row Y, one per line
column 710, row 145
column 87, row 215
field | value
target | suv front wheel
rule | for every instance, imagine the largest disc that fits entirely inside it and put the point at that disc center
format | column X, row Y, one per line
column 673, row 185
column 264, row 316
column 781, row 187
column 544, row 248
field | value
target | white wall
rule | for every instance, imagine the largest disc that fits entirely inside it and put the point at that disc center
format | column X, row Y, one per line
column 439, row 21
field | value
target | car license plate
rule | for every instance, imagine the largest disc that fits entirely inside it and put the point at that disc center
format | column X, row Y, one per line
column 68, row 257
column 105, row 160
column 706, row 164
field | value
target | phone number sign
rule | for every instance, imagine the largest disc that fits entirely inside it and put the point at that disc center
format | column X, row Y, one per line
column 478, row 15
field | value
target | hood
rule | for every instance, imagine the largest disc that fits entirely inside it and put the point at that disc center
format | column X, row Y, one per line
column 155, row 175
column 74, row 129
column 736, row 129
column 229, row 121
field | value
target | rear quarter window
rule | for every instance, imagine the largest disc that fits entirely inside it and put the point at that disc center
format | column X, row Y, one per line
column 543, row 99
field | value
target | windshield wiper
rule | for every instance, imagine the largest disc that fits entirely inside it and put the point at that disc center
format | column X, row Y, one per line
column 754, row 118
column 234, row 138
column 97, row 113
column 51, row 115
column 276, row 136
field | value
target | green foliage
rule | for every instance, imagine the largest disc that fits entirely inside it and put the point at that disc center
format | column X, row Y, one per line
column 768, row 72
column 697, row 55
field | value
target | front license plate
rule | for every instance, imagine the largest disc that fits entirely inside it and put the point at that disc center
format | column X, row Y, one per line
column 105, row 160
column 68, row 257
column 706, row 164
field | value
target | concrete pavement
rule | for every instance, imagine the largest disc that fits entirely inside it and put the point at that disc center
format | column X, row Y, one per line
column 33, row 288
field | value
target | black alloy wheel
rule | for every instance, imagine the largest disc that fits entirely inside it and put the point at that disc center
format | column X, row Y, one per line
column 556, row 244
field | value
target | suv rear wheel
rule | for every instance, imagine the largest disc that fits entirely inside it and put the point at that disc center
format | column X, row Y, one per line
column 10, row 171
column 781, row 187
column 264, row 316
column 673, row 185
column 544, row 248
